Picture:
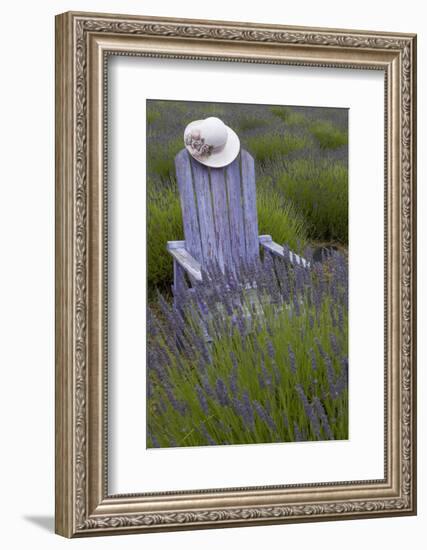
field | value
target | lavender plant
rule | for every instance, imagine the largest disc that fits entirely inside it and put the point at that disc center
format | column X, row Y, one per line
column 255, row 355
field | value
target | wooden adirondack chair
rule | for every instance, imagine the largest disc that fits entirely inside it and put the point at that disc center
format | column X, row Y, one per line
column 220, row 219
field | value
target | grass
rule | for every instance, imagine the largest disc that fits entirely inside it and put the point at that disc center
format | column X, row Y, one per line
column 328, row 135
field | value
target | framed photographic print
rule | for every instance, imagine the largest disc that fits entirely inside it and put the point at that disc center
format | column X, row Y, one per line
column 235, row 274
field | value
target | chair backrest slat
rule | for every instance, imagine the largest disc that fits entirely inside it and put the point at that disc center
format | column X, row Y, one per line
column 222, row 222
column 249, row 206
column 202, row 189
column 235, row 211
column 219, row 210
column 189, row 210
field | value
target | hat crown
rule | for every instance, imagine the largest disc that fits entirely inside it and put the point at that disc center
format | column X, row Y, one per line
column 214, row 132
column 211, row 142
column 211, row 131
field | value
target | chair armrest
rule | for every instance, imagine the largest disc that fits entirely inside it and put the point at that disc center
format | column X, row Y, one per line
column 267, row 242
column 185, row 259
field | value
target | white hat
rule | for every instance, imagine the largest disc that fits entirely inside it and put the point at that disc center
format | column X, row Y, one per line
column 211, row 142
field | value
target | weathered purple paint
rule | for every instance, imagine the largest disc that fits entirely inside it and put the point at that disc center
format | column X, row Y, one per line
column 222, row 224
column 202, row 190
column 219, row 216
column 188, row 206
column 249, row 207
column 219, row 210
column 235, row 211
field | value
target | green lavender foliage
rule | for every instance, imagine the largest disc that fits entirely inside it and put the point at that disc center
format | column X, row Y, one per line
column 275, row 369
column 328, row 135
column 319, row 191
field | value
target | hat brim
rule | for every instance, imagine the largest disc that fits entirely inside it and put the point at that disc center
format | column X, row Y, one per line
column 226, row 155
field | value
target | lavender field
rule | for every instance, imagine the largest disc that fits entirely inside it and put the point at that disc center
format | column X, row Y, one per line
column 242, row 363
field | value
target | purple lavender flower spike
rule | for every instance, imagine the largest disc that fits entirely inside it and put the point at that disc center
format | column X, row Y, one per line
column 233, row 375
column 309, row 411
column 265, row 374
column 268, row 327
column 238, row 407
column 202, row 399
column 233, row 359
column 207, row 435
column 292, row 363
column 233, row 382
column 331, row 376
column 317, row 300
column 334, row 344
column 323, row 418
column 201, row 365
column 296, row 304
column 344, row 362
column 313, row 360
column 299, row 278
column 174, row 401
column 264, row 415
column 270, row 349
column 206, row 386
column 221, row 392
column 297, row 433
column 248, row 411
column 154, row 440
column 342, row 382
column 162, row 404
column 320, row 348
column 277, row 374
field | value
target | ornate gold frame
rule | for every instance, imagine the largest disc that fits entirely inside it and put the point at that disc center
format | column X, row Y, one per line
column 83, row 42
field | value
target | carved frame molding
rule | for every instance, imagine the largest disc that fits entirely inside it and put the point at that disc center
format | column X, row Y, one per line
column 83, row 43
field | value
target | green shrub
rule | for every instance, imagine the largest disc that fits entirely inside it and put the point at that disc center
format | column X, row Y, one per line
column 164, row 223
column 280, row 220
column 328, row 135
column 290, row 117
column 247, row 122
column 152, row 116
column 161, row 157
column 270, row 146
column 319, row 190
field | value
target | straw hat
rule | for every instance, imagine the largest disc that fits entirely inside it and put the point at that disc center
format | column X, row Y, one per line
column 211, row 142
